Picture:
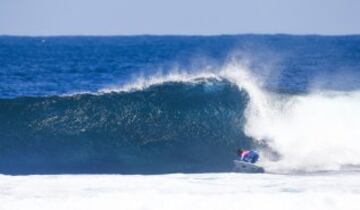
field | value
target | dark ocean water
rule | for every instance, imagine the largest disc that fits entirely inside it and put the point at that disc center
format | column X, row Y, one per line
column 54, row 118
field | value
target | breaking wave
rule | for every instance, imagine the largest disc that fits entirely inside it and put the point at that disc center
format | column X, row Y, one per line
column 180, row 123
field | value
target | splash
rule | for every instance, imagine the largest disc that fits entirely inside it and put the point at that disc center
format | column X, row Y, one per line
column 310, row 132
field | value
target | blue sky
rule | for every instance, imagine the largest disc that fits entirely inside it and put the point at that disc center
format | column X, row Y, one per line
column 185, row 17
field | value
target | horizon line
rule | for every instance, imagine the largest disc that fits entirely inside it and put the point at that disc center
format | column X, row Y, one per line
column 177, row 35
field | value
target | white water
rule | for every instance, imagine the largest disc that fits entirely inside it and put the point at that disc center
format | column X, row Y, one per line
column 225, row 191
column 313, row 132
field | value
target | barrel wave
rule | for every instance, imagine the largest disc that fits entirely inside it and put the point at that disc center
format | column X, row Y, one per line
column 168, row 127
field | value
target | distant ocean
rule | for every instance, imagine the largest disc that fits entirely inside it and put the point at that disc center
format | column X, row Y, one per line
column 165, row 104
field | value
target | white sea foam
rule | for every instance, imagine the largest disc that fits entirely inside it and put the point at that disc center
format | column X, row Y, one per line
column 316, row 131
column 310, row 132
column 227, row 191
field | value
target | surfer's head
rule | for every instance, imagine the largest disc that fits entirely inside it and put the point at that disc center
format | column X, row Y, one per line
column 239, row 151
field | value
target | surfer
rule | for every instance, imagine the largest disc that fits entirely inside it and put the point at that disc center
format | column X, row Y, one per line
column 248, row 155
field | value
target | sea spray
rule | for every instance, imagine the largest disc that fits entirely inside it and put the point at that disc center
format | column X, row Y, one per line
column 312, row 131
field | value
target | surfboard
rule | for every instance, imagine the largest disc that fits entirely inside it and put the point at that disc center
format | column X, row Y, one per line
column 244, row 167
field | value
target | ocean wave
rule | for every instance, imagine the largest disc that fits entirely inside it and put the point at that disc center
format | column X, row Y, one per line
column 180, row 122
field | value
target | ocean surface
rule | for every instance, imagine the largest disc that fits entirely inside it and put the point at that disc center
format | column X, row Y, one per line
column 118, row 114
column 160, row 104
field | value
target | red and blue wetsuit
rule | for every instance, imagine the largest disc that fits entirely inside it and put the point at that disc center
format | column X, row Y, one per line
column 249, row 156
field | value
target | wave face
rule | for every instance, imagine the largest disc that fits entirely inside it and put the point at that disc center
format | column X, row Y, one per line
column 170, row 127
